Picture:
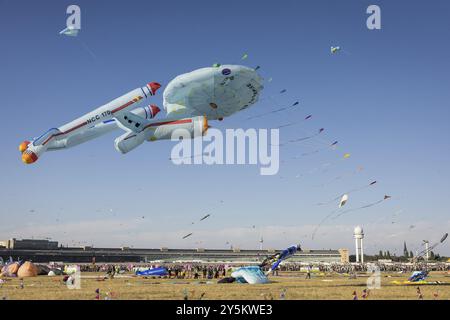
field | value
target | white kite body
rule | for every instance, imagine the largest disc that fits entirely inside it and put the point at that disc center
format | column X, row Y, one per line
column 189, row 99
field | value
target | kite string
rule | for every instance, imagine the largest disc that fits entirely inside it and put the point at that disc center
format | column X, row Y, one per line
column 273, row 111
column 293, row 123
column 354, row 209
column 320, row 223
column 87, row 48
column 346, row 211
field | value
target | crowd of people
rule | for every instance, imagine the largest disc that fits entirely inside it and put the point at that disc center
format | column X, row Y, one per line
column 351, row 268
column 175, row 270
column 218, row 271
column 188, row 271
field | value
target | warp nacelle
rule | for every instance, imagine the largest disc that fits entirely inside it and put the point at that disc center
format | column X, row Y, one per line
column 191, row 127
column 92, row 124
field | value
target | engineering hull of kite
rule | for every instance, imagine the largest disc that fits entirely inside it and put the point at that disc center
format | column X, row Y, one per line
column 189, row 100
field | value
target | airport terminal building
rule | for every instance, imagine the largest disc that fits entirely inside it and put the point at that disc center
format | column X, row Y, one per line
column 44, row 251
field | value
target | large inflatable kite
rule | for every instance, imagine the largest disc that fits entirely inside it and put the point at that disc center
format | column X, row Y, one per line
column 255, row 274
column 190, row 100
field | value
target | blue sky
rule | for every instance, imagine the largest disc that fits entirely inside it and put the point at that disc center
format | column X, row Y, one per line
column 385, row 98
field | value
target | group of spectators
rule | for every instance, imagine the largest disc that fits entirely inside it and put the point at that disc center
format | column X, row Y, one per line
column 197, row 271
column 175, row 270
column 383, row 267
column 352, row 268
column 218, row 271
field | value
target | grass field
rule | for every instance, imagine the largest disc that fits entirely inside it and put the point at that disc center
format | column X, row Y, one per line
column 295, row 286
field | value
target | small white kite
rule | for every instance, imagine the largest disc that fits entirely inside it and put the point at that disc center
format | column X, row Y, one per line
column 70, row 31
column 335, row 49
column 343, row 200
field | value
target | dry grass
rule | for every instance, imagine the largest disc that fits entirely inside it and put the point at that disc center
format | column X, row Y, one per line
column 331, row 286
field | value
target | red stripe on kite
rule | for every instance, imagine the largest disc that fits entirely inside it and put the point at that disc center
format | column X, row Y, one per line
column 127, row 104
column 169, row 123
column 85, row 123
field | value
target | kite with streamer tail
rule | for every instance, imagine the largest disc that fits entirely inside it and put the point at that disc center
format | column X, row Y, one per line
column 303, row 138
column 294, row 123
column 333, row 145
column 386, row 197
column 274, row 111
column 348, row 192
column 307, row 137
column 424, row 252
column 210, row 209
column 188, row 235
column 203, row 218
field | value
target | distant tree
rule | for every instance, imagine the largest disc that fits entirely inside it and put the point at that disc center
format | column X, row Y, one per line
column 411, row 254
column 432, row 256
column 405, row 249
column 388, row 254
column 380, row 254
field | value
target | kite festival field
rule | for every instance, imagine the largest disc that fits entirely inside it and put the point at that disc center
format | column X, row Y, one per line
column 288, row 286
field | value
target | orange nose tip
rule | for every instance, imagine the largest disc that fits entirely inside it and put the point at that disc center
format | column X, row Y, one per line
column 155, row 110
column 205, row 125
column 154, row 86
column 29, row 157
column 23, row 146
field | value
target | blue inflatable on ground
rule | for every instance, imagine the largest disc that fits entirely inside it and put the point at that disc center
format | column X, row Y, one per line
column 255, row 274
column 251, row 274
column 155, row 272
column 418, row 276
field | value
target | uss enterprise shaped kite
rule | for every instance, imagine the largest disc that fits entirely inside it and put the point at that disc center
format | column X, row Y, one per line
column 190, row 100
